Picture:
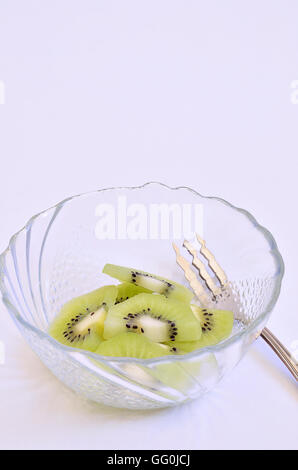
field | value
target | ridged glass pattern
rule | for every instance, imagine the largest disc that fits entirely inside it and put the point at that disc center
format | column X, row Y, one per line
column 58, row 256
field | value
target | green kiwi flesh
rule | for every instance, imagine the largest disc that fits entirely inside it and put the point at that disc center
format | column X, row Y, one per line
column 154, row 316
column 149, row 281
column 131, row 345
column 216, row 326
column 186, row 375
column 80, row 322
column 126, row 291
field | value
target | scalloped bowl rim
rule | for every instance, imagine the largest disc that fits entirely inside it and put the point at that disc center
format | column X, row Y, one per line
column 274, row 251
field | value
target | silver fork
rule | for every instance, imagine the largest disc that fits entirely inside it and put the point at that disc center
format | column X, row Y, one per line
column 218, row 291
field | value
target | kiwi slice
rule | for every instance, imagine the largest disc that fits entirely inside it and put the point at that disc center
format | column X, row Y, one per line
column 154, row 316
column 80, row 322
column 216, row 326
column 126, row 291
column 151, row 282
column 130, row 345
column 188, row 376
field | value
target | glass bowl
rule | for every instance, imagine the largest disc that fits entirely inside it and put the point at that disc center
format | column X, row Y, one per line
column 60, row 254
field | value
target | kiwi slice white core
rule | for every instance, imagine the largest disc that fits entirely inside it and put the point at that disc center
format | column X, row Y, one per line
column 80, row 326
column 155, row 328
column 150, row 282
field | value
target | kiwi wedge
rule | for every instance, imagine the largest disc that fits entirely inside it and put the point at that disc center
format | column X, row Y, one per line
column 187, row 376
column 153, row 283
column 126, row 291
column 80, row 322
column 216, row 326
column 182, row 376
column 131, row 345
column 154, row 316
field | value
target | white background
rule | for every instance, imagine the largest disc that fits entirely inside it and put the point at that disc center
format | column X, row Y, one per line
column 102, row 93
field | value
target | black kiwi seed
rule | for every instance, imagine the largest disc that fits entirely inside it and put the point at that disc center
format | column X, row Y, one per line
column 142, row 330
column 204, row 329
column 127, row 325
column 135, row 327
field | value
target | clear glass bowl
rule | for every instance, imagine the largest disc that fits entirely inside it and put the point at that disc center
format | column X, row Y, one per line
column 60, row 253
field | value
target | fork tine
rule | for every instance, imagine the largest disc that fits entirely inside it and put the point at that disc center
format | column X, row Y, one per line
column 191, row 277
column 213, row 264
column 197, row 263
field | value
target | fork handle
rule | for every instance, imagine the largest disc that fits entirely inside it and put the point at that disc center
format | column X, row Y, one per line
column 281, row 352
